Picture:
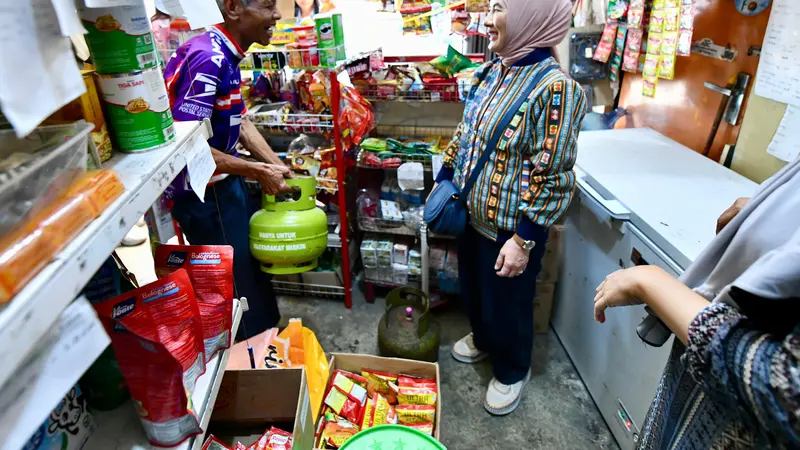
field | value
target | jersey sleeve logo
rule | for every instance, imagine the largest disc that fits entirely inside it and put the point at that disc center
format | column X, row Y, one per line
column 203, row 89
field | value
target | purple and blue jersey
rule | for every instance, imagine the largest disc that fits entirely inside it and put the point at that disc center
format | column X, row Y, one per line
column 204, row 82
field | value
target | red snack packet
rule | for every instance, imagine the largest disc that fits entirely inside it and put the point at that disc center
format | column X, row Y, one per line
column 414, row 382
column 382, row 383
column 279, row 439
column 343, row 404
column 426, row 428
column 210, row 268
column 415, row 414
column 157, row 337
column 383, row 413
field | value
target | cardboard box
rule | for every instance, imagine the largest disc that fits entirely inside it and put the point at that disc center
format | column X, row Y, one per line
column 250, row 401
column 354, row 363
column 239, row 358
column 322, row 279
column 543, row 306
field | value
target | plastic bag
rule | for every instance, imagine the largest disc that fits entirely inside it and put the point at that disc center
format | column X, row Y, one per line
column 298, row 346
column 357, row 118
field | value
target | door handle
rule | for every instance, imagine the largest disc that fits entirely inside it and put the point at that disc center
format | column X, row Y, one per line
column 730, row 107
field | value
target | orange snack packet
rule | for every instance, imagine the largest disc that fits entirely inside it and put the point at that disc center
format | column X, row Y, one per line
column 338, row 432
column 415, row 382
column 415, row 414
column 384, row 413
column 366, row 419
column 417, row 396
column 381, row 383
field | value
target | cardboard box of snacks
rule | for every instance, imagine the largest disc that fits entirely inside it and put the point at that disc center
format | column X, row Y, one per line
column 355, row 363
column 251, row 401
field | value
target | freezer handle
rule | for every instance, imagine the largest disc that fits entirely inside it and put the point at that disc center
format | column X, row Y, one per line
column 599, row 204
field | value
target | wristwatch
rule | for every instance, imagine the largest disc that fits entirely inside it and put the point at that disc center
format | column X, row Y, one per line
column 526, row 245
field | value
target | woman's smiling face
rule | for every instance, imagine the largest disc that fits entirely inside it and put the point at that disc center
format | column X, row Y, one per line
column 496, row 25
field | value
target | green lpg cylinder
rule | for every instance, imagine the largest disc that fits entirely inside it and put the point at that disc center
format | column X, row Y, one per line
column 290, row 232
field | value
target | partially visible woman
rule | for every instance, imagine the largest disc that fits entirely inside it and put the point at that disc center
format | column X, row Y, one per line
column 524, row 188
column 733, row 378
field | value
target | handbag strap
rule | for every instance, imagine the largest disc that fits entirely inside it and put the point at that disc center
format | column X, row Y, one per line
column 519, row 102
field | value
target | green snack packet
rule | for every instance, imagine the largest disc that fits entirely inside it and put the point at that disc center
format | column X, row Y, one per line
column 451, row 63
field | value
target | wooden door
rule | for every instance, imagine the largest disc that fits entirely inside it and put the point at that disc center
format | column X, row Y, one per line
column 683, row 109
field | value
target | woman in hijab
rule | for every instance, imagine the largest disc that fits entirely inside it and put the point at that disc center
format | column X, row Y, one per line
column 733, row 378
column 523, row 188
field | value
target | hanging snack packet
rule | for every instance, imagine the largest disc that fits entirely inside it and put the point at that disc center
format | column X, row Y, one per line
column 657, row 21
column 671, row 19
column 649, row 85
column 210, row 267
column 606, row 44
column 666, row 67
column 686, row 20
column 651, row 66
column 384, row 413
column 630, row 59
column 669, row 43
column 157, row 336
column 684, row 43
column 415, row 414
column 417, row 396
column 382, row 383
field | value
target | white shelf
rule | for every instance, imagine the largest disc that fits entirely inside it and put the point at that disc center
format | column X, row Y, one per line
column 30, row 315
column 121, row 429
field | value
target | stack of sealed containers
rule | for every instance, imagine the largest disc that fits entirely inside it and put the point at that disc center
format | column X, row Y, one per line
column 129, row 76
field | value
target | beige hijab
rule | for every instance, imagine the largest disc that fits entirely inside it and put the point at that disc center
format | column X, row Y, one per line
column 532, row 24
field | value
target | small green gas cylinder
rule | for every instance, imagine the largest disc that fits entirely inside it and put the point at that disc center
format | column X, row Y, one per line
column 289, row 233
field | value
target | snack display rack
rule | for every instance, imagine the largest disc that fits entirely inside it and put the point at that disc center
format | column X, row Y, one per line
column 30, row 335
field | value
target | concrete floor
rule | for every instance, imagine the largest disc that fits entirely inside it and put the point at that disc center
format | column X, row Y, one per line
column 556, row 411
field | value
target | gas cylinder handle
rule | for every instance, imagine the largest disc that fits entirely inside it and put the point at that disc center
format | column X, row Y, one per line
column 400, row 297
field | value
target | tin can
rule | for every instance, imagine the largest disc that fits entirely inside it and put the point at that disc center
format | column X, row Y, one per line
column 326, row 40
column 338, row 35
column 120, row 39
column 137, row 109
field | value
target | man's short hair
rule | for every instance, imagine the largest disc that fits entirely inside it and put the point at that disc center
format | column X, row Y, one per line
column 221, row 4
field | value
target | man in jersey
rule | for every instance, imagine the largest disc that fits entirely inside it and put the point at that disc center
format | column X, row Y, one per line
column 203, row 81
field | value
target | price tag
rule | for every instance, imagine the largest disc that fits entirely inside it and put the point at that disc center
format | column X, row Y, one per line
column 200, row 165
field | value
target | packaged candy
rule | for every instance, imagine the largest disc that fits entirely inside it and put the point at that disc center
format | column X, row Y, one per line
column 649, row 85
column 617, row 9
column 384, row 413
column 633, row 47
column 651, row 66
column 635, row 16
column 415, row 414
column 669, row 43
column 666, row 67
column 671, row 3
column 279, row 440
column 210, row 267
column 686, row 21
column 659, row 4
column 684, row 43
column 381, row 383
column 417, row 396
column 657, row 21
column 157, row 336
column 671, row 16
column 654, row 41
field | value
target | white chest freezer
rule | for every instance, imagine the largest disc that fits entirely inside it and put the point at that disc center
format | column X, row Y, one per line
column 641, row 199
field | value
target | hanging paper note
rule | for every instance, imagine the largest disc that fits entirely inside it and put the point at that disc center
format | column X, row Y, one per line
column 777, row 76
column 786, row 143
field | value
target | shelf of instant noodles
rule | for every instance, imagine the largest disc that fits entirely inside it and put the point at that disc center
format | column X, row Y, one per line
column 33, row 312
column 120, row 429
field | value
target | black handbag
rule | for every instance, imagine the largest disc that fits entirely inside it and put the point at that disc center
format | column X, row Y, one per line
column 446, row 210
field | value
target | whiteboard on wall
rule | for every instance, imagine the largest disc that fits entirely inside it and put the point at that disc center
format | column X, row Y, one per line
column 778, row 75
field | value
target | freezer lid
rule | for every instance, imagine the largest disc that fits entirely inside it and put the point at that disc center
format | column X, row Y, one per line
column 674, row 194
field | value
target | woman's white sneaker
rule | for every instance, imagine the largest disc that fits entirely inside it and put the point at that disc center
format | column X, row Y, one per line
column 465, row 351
column 502, row 399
